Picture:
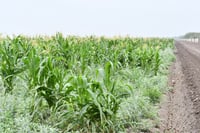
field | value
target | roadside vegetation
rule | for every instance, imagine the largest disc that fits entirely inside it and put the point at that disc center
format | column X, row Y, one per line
column 81, row 84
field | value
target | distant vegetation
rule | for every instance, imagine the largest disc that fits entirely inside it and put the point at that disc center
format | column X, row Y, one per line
column 192, row 35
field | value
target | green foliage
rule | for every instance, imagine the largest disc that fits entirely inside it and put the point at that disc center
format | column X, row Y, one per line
column 154, row 94
column 79, row 84
column 12, row 53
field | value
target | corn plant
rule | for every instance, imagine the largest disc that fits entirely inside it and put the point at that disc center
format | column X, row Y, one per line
column 85, row 84
column 12, row 54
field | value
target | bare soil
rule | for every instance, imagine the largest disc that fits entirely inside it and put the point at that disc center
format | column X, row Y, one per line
column 180, row 109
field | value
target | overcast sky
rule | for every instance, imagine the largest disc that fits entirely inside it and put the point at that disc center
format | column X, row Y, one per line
column 100, row 17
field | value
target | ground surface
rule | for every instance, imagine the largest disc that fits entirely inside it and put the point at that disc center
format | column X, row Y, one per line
column 180, row 110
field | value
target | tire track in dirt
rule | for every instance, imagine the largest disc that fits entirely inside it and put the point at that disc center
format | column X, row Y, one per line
column 180, row 110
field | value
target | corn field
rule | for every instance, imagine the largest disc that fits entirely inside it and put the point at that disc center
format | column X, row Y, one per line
column 81, row 84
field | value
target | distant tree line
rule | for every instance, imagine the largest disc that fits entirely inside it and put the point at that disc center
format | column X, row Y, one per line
column 192, row 35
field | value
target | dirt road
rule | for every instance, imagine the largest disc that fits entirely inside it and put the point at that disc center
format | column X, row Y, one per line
column 180, row 111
